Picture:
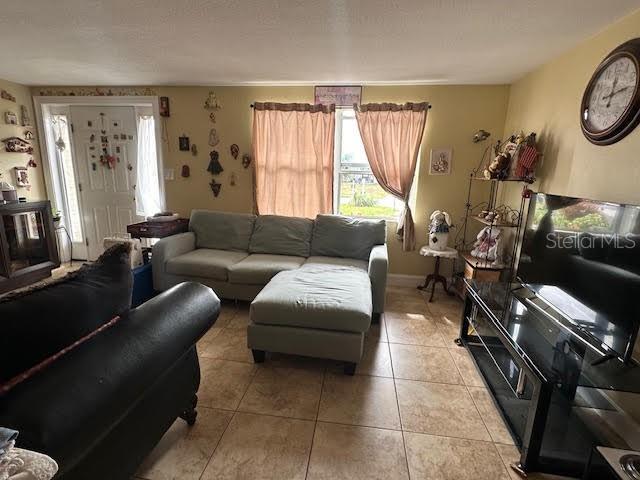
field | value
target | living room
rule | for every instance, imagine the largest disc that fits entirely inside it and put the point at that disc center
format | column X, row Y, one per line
column 286, row 327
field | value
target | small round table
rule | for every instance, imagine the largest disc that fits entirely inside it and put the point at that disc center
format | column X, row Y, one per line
column 435, row 277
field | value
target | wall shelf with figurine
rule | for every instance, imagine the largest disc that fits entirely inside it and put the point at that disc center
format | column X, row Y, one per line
column 484, row 256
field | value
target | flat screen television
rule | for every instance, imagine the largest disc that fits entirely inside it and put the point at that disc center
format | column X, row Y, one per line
column 581, row 257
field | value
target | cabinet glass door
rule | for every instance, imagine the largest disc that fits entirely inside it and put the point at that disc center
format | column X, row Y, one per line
column 26, row 240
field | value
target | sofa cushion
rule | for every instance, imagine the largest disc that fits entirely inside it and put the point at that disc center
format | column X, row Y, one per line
column 259, row 268
column 39, row 322
column 337, row 236
column 222, row 230
column 316, row 296
column 338, row 261
column 281, row 235
column 204, row 263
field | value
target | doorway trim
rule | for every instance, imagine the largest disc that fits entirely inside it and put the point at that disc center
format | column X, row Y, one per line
column 42, row 105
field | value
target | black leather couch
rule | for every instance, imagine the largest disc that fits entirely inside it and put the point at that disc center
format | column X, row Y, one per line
column 100, row 408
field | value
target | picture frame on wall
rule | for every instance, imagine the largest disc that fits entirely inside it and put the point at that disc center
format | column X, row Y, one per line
column 22, row 176
column 440, row 161
column 340, row 95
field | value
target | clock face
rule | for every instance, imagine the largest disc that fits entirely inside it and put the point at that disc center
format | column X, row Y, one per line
column 611, row 93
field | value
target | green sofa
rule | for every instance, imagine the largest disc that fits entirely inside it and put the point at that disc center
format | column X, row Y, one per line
column 317, row 284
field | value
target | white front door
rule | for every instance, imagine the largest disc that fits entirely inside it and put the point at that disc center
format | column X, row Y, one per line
column 105, row 144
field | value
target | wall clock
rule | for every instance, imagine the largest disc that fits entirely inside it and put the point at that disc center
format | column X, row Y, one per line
column 610, row 107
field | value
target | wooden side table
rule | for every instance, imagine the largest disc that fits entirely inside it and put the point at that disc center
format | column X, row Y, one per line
column 157, row 230
column 435, row 277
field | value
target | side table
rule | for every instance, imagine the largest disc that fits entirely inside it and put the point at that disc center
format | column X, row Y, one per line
column 435, row 277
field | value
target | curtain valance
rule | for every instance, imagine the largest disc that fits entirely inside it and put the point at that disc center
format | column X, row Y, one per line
column 294, row 107
column 392, row 107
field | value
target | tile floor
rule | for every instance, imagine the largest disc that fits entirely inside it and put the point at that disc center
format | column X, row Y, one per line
column 416, row 408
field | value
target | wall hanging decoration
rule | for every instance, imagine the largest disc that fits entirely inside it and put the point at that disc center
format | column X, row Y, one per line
column 129, row 166
column 340, row 96
column 28, row 135
column 235, row 150
column 246, row 160
column 22, row 176
column 164, row 107
column 214, row 165
column 108, row 161
column 215, row 188
column 233, row 179
column 123, row 136
column 7, row 96
column 213, row 137
column 440, row 161
column 32, row 163
column 183, row 143
column 185, row 172
column 211, row 103
column 24, row 116
column 194, row 150
column 17, row 145
column 10, row 118
column 92, row 138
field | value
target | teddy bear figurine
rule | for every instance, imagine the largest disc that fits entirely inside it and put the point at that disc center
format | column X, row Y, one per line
column 439, row 230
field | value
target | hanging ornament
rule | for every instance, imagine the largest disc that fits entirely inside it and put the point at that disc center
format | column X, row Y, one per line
column 246, row 160
column 215, row 188
column 214, row 165
column 185, row 172
column 32, row 163
column 211, row 103
column 194, row 150
column 213, row 137
column 212, row 117
column 235, row 150
column 232, row 179
column 183, row 143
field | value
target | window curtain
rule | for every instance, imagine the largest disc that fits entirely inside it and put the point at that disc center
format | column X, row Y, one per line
column 391, row 135
column 293, row 158
column 148, row 200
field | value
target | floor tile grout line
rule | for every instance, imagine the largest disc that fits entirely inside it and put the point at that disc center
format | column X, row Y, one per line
column 475, row 404
column 395, row 389
column 217, row 445
column 315, row 423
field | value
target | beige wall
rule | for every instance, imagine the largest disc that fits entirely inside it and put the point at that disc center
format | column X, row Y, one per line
column 547, row 101
column 458, row 111
column 10, row 160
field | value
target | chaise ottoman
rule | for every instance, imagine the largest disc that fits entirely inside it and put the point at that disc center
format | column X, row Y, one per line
column 316, row 311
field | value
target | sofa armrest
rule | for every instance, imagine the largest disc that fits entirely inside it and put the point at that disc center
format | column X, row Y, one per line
column 378, row 266
column 68, row 407
column 166, row 249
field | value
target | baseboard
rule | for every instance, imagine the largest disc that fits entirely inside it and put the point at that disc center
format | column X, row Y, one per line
column 401, row 280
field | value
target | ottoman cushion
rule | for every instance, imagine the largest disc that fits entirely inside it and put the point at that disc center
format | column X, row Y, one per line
column 316, row 296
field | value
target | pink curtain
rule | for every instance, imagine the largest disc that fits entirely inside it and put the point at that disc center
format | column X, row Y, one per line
column 293, row 158
column 392, row 135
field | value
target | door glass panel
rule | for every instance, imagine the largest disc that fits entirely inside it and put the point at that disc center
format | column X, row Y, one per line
column 60, row 125
column 26, row 240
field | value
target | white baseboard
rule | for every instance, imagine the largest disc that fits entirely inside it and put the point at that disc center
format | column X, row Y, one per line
column 401, row 280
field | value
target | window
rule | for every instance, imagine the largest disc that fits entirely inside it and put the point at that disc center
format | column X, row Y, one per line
column 64, row 159
column 356, row 191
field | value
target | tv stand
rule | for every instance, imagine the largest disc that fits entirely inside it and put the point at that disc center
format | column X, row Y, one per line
column 548, row 379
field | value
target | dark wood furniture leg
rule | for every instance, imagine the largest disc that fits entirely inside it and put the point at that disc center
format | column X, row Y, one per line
column 435, row 277
column 350, row 368
column 258, row 356
column 190, row 414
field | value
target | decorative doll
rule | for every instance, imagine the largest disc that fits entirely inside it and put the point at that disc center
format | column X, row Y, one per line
column 439, row 230
column 487, row 245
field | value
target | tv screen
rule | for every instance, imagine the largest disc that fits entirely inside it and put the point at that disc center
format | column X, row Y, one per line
column 582, row 257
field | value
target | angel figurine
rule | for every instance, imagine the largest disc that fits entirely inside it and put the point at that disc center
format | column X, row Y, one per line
column 487, row 245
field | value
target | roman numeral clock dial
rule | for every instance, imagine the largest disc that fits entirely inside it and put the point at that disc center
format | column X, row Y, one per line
column 610, row 107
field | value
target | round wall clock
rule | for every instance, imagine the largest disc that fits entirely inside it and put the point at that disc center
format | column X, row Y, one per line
column 610, row 107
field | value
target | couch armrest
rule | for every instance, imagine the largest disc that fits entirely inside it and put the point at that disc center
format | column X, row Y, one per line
column 166, row 249
column 378, row 266
column 67, row 408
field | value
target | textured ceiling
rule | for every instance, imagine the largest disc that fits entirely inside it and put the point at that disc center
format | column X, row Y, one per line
column 191, row 42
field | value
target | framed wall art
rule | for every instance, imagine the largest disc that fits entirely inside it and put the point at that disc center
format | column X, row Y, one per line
column 440, row 161
column 341, row 96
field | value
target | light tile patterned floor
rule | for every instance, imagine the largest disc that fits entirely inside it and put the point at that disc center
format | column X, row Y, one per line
column 416, row 408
